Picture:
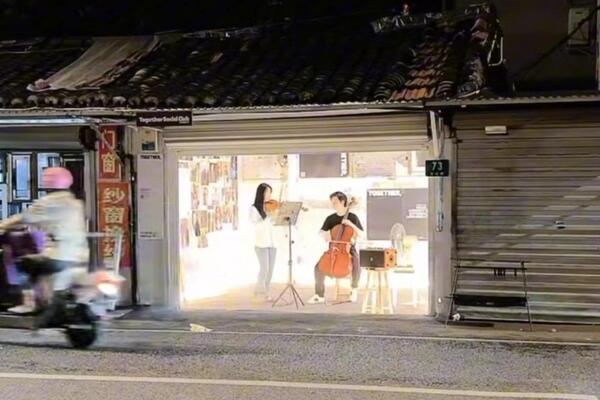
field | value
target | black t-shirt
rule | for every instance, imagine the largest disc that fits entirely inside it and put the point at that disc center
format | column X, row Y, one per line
column 335, row 219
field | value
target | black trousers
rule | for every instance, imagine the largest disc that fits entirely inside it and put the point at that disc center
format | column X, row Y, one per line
column 37, row 266
column 320, row 277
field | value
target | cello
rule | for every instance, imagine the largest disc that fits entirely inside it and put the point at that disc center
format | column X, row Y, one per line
column 337, row 261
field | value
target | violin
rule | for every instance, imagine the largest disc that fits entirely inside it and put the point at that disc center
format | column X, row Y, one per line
column 337, row 260
column 271, row 206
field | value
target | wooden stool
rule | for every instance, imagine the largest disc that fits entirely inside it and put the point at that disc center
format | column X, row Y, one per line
column 342, row 291
column 378, row 299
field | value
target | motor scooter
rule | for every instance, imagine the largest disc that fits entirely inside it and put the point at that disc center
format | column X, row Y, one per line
column 76, row 311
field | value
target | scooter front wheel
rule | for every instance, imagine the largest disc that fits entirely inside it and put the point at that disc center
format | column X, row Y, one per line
column 82, row 328
column 82, row 336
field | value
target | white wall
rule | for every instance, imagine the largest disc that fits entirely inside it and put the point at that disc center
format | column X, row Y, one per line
column 151, row 268
column 441, row 242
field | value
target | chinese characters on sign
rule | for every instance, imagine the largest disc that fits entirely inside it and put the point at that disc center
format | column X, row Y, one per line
column 113, row 197
column 114, row 217
column 110, row 165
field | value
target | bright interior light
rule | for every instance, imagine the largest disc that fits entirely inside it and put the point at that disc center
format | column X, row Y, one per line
column 226, row 265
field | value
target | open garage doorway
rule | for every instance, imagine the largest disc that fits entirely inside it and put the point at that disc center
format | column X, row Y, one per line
column 219, row 265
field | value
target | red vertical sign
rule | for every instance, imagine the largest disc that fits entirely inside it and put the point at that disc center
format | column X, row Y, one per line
column 109, row 163
column 113, row 196
column 114, row 218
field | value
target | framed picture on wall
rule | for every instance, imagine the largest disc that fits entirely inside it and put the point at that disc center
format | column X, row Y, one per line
column 262, row 167
column 324, row 165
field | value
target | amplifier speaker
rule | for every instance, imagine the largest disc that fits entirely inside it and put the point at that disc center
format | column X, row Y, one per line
column 378, row 258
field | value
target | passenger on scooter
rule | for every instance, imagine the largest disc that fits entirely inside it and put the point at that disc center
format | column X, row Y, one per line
column 62, row 218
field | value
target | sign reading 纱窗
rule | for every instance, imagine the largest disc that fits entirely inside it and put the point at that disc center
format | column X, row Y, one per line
column 113, row 218
column 164, row 118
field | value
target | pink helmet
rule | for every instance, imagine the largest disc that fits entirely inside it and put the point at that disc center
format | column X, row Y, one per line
column 57, row 178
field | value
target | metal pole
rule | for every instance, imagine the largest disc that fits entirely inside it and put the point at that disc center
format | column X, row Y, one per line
column 290, row 251
column 598, row 47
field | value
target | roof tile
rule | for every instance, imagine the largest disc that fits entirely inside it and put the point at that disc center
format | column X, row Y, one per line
column 279, row 67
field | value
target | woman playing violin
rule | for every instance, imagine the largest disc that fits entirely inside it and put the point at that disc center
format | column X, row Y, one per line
column 260, row 216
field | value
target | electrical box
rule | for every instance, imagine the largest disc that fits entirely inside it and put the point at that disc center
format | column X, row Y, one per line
column 582, row 36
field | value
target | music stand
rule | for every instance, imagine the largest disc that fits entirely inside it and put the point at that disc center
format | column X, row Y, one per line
column 288, row 215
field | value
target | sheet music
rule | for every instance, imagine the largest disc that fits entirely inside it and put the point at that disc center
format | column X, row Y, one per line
column 288, row 209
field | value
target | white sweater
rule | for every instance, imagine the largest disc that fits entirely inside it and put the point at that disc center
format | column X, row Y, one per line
column 263, row 229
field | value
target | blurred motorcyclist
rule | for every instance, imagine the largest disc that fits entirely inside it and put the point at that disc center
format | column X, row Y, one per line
column 62, row 218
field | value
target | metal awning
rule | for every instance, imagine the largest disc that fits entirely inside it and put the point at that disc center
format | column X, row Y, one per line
column 593, row 98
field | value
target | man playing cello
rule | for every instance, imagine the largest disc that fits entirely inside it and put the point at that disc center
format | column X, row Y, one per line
column 339, row 201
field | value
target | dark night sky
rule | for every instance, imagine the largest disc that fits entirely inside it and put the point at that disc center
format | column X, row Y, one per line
column 30, row 18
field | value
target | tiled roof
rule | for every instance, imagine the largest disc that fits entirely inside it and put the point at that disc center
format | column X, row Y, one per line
column 283, row 66
column 21, row 63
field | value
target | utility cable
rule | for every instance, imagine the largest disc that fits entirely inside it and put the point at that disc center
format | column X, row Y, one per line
column 527, row 69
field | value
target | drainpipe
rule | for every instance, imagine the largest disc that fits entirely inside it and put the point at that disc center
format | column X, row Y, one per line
column 133, row 230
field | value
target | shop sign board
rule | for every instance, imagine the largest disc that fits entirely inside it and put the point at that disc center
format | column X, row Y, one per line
column 164, row 118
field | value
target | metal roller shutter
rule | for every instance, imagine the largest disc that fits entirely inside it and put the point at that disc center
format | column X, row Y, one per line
column 266, row 134
column 532, row 195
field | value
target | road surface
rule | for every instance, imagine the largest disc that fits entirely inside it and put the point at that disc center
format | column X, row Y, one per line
column 183, row 365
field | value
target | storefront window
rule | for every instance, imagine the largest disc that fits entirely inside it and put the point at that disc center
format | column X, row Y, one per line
column 22, row 177
column 217, row 235
column 46, row 160
column 3, row 202
column 2, row 168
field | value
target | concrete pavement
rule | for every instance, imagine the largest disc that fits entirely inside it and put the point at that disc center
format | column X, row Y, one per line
column 331, row 324
column 360, row 324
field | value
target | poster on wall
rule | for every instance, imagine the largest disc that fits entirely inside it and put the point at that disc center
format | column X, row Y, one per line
column 109, row 163
column 380, row 163
column 213, row 196
column 262, row 167
column 113, row 218
column 324, row 165
column 150, row 197
column 386, row 207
